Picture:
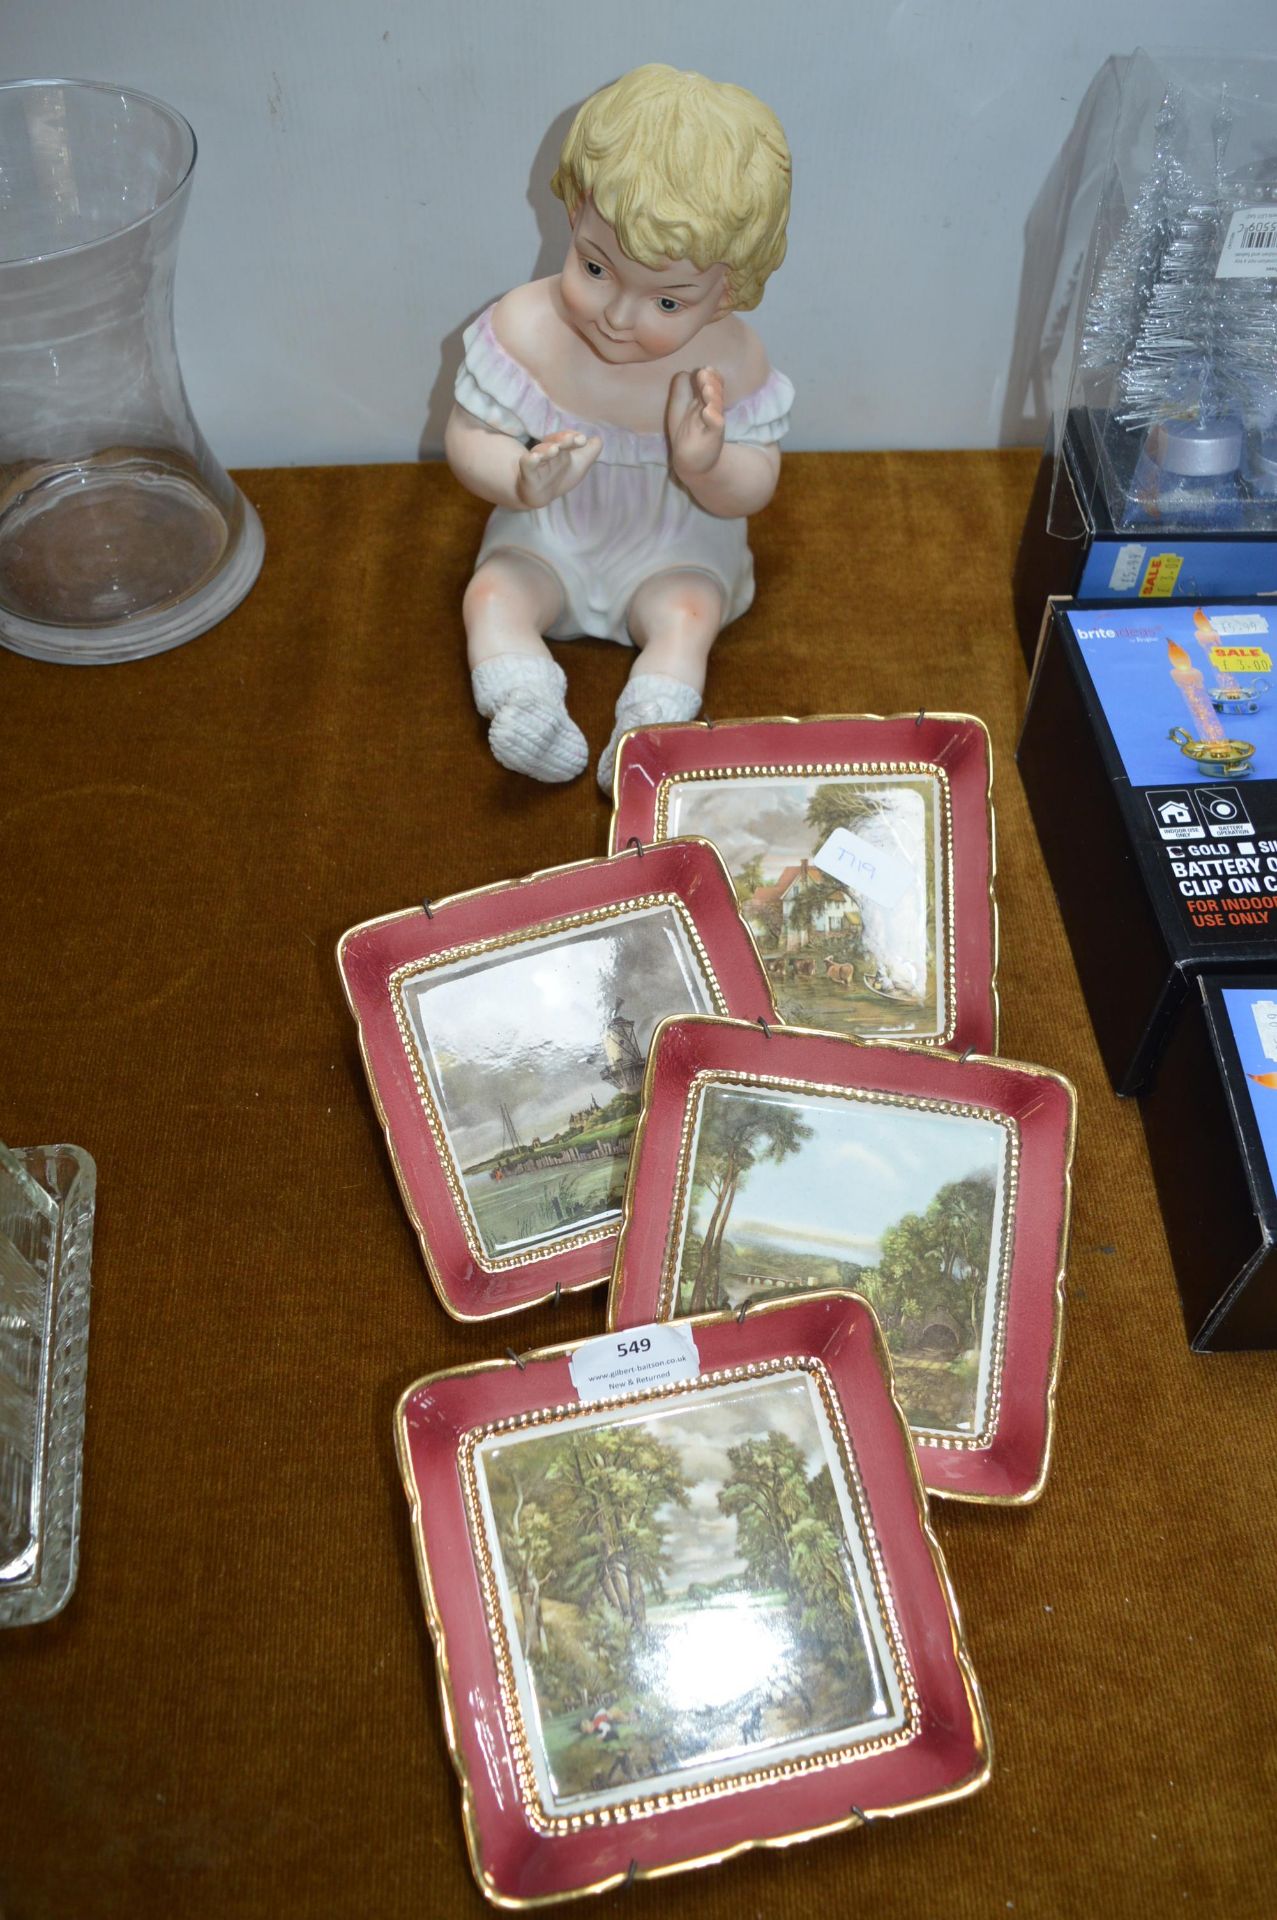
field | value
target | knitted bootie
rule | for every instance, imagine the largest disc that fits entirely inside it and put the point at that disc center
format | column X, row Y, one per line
column 647, row 700
column 531, row 732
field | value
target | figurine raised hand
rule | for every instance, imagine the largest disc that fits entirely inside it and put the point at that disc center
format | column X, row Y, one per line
column 622, row 418
column 555, row 465
column 694, row 421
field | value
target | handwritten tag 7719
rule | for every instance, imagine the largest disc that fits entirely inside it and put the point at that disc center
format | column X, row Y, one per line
column 872, row 872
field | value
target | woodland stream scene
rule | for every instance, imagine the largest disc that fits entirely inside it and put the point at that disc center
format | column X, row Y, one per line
column 681, row 1592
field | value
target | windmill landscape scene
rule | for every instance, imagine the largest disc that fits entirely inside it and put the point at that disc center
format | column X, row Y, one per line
column 680, row 1593
column 536, row 1060
column 835, row 958
column 790, row 1192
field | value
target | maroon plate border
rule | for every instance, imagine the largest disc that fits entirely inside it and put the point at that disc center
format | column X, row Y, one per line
column 368, row 956
column 648, row 758
column 946, row 1754
column 1011, row 1467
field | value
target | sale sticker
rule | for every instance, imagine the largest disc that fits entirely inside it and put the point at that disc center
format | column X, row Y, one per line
column 1160, row 576
column 1241, row 660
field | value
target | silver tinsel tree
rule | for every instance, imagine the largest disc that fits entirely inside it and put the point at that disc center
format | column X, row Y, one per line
column 1128, row 274
column 1177, row 341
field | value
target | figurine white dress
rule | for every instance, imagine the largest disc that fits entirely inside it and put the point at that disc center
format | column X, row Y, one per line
column 623, row 419
column 599, row 539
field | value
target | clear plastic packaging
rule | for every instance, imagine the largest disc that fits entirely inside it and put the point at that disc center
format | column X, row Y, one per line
column 1173, row 387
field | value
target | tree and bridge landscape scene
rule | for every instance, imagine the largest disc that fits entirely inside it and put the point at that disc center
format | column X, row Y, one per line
column 788, row 1192
column 836, row 957
column 535, row 1057
column 681, row 1593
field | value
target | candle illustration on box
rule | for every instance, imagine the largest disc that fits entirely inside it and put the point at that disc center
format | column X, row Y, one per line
column 1225, row 689
column 1208, row 746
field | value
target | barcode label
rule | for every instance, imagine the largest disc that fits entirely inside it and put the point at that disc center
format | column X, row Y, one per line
column 1249, row 251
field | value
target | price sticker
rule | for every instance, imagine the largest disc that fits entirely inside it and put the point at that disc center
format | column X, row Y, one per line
column 1231, row 624
column 874, row 873
column 1265, row 1012
column 1127, row 567
column 1241, row 660
column 657, row 1355
column 1160, row 576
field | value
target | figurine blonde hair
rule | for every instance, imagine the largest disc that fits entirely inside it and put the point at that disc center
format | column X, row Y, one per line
column 683, row 168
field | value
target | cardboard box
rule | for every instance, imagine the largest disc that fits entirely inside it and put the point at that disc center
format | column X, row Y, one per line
column 1070, row 547
column 1211, row 1124
column 1164, row 869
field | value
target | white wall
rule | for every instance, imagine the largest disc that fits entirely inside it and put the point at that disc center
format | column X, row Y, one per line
column 373, row 172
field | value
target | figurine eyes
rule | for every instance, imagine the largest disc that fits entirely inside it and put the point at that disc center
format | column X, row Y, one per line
column 597, row 271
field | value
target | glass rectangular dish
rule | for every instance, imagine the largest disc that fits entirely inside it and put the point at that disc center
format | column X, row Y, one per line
column 47, row 1199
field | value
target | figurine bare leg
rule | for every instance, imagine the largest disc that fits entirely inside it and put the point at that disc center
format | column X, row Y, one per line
column 674, row 620
column 518, row 686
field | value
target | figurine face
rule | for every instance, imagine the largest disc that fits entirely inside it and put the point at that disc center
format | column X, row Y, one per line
column 630, row 313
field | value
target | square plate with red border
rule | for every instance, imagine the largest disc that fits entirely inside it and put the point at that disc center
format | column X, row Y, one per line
column 504, row 1034
column 699, row 1616
column 770, row 1163
column 900, row 942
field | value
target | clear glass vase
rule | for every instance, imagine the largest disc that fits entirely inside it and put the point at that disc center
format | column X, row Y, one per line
column 120, row 534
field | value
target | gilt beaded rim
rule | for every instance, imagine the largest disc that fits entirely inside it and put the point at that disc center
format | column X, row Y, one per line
column 946, row 954
column 833, row 1331
column 642, row 1805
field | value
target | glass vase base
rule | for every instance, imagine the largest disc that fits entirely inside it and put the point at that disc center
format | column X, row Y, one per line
column 134, row 637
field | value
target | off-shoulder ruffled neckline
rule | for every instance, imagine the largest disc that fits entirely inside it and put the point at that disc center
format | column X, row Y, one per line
column 498, row 376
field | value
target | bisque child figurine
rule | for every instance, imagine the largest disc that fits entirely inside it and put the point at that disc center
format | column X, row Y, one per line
column 622, row 418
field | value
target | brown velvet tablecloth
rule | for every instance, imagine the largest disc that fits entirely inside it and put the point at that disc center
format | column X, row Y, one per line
column 237, row 1713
